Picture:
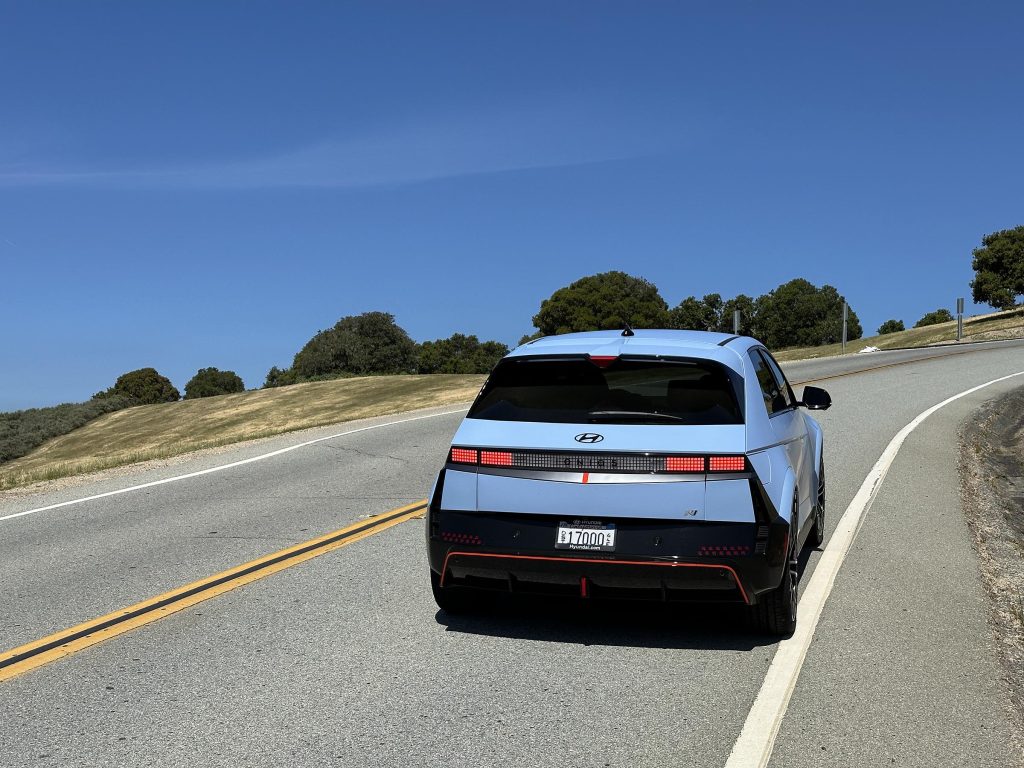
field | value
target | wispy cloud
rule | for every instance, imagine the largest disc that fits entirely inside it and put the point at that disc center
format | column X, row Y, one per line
column 555, row 135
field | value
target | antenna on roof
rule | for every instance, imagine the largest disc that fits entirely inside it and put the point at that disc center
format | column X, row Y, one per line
column 627, row 331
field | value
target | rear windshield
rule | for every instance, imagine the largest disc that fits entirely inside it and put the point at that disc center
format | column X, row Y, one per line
column 628, row 391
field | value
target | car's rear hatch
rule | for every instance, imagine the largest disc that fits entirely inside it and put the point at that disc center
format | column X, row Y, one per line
column 626, row 472
column 607, row 436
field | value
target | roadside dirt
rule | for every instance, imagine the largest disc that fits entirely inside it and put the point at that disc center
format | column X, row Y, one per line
column 992, row 486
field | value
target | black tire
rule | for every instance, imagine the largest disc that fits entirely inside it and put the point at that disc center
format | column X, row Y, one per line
column 775, row 611
column 817, row 535
column 454, row 600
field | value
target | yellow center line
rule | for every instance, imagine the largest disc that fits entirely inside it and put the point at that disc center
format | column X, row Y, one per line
column 68, row 641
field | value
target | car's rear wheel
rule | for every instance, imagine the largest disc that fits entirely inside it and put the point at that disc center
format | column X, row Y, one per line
column 817, row 537
column 454, row 600
column 775, row 612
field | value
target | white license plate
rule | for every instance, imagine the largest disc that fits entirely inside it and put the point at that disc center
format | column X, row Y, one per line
column 586, row 535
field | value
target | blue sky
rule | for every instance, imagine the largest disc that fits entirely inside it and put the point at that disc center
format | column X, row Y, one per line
column 192, row 184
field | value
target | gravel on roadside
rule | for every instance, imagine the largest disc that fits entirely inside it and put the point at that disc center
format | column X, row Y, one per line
column 991, row 470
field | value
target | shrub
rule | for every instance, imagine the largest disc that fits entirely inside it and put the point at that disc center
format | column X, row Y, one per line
column 932, row 318
column 605, row 301
column 693, row 314
column 210, row 381
column 357, row 345
column 799, row 314
column 748, row 315
column 23, row 431
column 891, row 326
column 460, row 354
column 276, row 377
column 143, row 387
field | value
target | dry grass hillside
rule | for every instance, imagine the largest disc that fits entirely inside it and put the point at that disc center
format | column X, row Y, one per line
column 168, row 429
column 998, row 325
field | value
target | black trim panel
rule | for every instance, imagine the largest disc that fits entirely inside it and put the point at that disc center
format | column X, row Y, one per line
column 508, row 548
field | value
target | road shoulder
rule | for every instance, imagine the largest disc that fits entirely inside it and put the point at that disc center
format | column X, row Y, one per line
column 991, row 469
column 903, row 669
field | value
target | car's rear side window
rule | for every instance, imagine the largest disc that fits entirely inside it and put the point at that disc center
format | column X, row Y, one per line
column 627, row 391
column 780, row 379
column 774, row 391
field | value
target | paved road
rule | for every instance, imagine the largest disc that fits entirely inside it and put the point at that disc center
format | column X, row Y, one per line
column 344, row 659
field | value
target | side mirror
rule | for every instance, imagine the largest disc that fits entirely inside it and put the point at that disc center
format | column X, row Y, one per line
column 816, row 399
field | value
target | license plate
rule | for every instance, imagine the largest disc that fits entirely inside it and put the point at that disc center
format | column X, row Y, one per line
column 586, row 535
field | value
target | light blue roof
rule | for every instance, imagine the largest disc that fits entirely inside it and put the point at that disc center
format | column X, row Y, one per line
column 699, row 344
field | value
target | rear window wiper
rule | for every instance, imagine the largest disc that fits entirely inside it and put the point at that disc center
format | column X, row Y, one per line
column 597, row 415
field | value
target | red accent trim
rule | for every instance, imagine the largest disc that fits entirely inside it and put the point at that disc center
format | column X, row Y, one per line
column 583, row 586
column 685, row 464
column 465, row 455
column 727, row 463
column 586, row 477
column 723, row 550
column 496, row 458
column 736, row 578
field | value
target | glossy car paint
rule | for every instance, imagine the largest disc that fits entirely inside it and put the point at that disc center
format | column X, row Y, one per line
column 784, row 448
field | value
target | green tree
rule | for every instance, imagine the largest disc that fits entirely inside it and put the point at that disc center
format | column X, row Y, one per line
column 798, row 313
column 938, row 316
column 212, row 381
column 605, row 301
column 358, row 345
column 999, row 268
column 277, row 377
column 891, row 326
column 692, row 314
column 142, row 387
column 747, row 307
column 460, row 354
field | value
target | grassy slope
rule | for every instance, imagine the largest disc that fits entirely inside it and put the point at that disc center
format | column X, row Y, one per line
column 169, row 429
column 999, row 325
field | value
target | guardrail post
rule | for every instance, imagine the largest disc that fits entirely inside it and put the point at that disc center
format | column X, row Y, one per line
column 845, row 313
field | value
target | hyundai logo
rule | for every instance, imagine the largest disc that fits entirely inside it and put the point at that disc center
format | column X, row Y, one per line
column 589, row 437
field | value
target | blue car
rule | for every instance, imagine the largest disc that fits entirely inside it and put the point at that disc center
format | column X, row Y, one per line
column 649, row 464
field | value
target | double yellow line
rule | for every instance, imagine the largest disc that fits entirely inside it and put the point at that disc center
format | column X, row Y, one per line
column 69, row 641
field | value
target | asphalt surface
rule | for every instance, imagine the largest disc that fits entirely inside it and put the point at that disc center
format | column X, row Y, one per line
column 345, row 660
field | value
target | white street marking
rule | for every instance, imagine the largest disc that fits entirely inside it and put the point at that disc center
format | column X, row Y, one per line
column 754, row 746
column 222, row 467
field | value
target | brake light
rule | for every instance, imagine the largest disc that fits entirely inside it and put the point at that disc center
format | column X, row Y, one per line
column 496, row 458
column 464, row 455
column 603, row 361
column 684, row 463
column 728, row 463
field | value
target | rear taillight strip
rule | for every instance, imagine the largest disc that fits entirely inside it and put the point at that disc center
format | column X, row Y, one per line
column 598, row 461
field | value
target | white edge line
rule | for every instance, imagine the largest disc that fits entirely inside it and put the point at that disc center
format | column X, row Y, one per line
column 222, row 467
column 753, row 748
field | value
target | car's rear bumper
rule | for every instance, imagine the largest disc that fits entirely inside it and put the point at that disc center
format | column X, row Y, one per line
column 653, row 559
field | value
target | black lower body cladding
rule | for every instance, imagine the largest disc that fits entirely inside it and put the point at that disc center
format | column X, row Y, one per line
column 653, row 559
